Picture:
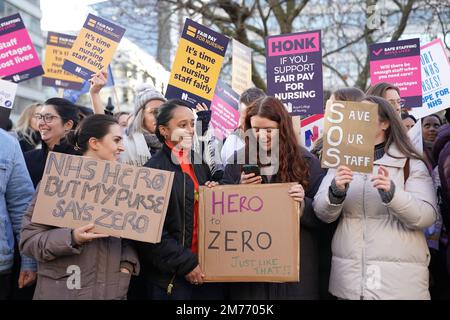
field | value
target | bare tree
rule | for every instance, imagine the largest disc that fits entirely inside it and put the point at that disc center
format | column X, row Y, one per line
column 348, row 27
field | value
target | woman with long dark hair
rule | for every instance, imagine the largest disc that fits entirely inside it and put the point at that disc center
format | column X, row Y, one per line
column 55, row 119
column 379, row 248
column 281, row 159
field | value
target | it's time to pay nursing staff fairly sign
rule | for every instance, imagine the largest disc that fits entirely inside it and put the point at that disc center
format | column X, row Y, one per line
column 196, row 68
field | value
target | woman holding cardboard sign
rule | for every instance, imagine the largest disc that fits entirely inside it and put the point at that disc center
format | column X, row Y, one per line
column 172, row 266
column 379, row 248
column 79, row 263
column 278, row 159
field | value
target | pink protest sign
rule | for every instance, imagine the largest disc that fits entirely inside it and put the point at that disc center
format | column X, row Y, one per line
column 224, row 108
column 19, row 60
column 398, row 63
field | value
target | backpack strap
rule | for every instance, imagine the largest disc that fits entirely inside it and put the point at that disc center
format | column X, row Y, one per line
column 406, row 171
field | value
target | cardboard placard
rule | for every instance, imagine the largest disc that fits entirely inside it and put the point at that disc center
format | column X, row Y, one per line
column 197, row 64
column 312, row 129
column 224, row 110
column 294, row 71
column 435, row 79
column 349, row 135
column 398, row 62
column 249, row 233
column 121, row 200
column 241, row 67
column 57, row 49
column 94, row 47
column 19, row 60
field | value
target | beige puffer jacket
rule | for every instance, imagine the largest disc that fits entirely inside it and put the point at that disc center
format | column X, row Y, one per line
column 379, row 250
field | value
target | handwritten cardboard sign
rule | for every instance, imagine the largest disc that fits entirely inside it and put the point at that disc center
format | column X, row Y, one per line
column 19, row 60
column 294, row 71
column 57, row 49
column 349, row 135
column 121, row 200
column 94, row 47
column 249, row 233
column 398, row 62
column 241, row 67
column 197, row 64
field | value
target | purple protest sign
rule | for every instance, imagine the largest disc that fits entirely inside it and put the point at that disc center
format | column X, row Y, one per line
column 398, row 63
column 94, row 47
column 294, row 71
column 225, row 110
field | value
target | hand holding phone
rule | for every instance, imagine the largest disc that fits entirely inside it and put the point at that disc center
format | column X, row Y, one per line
column 251, row 174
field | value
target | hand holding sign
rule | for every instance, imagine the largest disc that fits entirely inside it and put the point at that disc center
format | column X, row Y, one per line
column 382, row 180
column 196, row 276
column 297, row 193
column 83, row 234
column 98, row 81
column 344, row 176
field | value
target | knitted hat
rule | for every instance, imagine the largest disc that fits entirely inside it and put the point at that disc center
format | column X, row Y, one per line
column 145, row 93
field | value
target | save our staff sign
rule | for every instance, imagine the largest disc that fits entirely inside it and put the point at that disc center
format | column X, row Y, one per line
column 349, row 135
column 121, row 200
column 197, row 64
column 249, row 234
column 94, row 47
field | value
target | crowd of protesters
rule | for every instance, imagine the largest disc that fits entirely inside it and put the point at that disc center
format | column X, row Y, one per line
column 362, row 236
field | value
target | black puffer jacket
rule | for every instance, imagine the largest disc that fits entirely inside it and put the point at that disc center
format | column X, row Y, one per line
column 166, row 262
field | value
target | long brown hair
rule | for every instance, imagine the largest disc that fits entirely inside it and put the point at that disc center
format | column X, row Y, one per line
column 292, row 165
column 396, row 133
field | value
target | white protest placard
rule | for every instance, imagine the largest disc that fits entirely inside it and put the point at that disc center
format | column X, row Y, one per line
column 415, row 134
column 7, row 93
column 435, row 79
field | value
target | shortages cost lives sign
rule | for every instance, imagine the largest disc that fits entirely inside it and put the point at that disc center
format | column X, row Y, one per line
column 18, row 58
column 94, row 47
column 121, row 200
column 249, row 233
column 294, row 71
column 197, row 64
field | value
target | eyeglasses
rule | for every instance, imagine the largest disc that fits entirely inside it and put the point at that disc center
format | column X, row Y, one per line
column 400, row 102
column 48, row 118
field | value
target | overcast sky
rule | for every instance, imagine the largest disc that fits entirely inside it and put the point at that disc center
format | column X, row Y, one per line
column 67, row 15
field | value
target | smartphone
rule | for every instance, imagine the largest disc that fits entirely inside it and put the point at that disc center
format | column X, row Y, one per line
column 251, row 168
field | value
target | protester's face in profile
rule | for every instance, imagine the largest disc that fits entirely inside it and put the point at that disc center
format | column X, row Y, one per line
column 180, row 129
column 394, row 99
column 149, row 117
column 264, row 130
column 409, row 123
column 123, row 120
column 430, row 127
column 110, row 146
column 33, row 122
column 51, row 125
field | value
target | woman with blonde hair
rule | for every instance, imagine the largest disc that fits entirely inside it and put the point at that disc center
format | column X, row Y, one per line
column 27, row 128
